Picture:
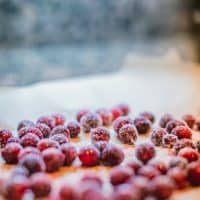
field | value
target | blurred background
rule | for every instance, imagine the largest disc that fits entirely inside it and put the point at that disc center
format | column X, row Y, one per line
column 54, row 39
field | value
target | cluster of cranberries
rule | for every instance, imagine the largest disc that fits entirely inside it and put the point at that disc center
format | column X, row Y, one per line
column 45, row 146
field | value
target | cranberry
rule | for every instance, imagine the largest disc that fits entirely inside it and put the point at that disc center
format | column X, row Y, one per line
column 106, row 116
column 100, row 134
column 53, row 159
column 67, row 192
column 40, row 184
column 29, row 140
column 60, row 138
column 20, row 171
column 177, row 161
column 47, row 143
column 30, row 129
column 159, row 165
column 13, row 139
column 148, row 172
column 61, row 130
column 119, row 175
column 121, row 121
column 128, row 134
column 182, row 132
column 194, row 173
column 173, row 124
column 143, row 125
column 48, row 120
column 135, row 165
column 179, row 177
column 112, row 155
column 59, row 119
column 180, row 144
column 124, row 107
column 116, row 112
column 89, row 156
column 169, row 140
column 190, row 120
column 165, row 119
column 4, row 136
column 157, row 136
column 189, row 154
column 101, row 145
column 145, row 152
column 70, row 153
column 89, row 121
column 33, row 162
column 81, row 113
column 10, row 152
column 28, row 150
column 92, row 178
column 44, row 129
column 74, row 129
column 148, row 115
column 24, row 123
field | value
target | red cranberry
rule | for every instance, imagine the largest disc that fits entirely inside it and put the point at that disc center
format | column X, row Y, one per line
column 20, row 171
column 157, row 136
column 89, row 156
column 30, row 129
column 10, row 152
column 190, row 120
column 142, row 124
column 28, row 150
column 100, row 134
column 67, row 192
column 81, row 113
column 148, row 172
column 74, row 129
column 33, row 162
column 159, row 165
column 4, row 136
column 106, row 116
column 135, row 165
column 53, row 159
column 59, row 119
column 182, row 132
column 60, row 138
column 148, row 115
column 48, row 120
column 145, row 152
column 24, row 123
column 194, row 173
column 47, row 143
column 124, row 107
column 173, row 124
column 180, row 144
column 61, row 130
column 29, row 140
column 128, row 134
column 119, row 175
column 70, row 153
column 177, row 161
column 44, row 129
column 165, row 119
column 40, row 184
column 189, row 154
column 112, row 155
column 121, row 121
column 13, row 139
column 92, row 178
column 169, row 140
column 116, row 112
column 89, row 121
column 101, row 145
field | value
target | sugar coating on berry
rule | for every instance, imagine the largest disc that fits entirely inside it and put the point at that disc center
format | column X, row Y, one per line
column 29, row 140
column 189, row 119
column 48, row 120
column 180, row 144
column 100, row 134
column 28, row 150
column 13, row 139
column 165, row 119
column 116, row 112
column 157, row 136
column 4, row 136
column 189, row 154
column 124, row 107
column 148, row 115
column 106, row 116
column 177, row 161
column 161, row 166
column 74, row 129
column 19, row 170
column 169, row 140
column 30, row 129
column 61, row 130
column 47, row 143
column 148, row 172
column 81, row 113
column 194, row 173
column 182, row 132
column 60, row 138
column 24, row 123
column 142, row 124
column 173, row 124
column 121, row 121
column 59, row 119
column 44, row 129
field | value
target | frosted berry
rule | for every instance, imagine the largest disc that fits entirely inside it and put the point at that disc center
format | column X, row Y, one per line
column 194, row 173
column 124, row 107
column 161, row 166
column 182, row 132
column 81, row 113
column 48, row 120
column 148, row 115
column 24, row 123
column 4, row 136
column 106, row 116
column 148, row 172
column 165, row 119
column 177, row 161
column 61, row 130
column 142, row 124
column 173, row 124
column 60, row 138
column 116, row 112
column 189, row 119
column 74, row 129
column 13, row 139
column 28, row 150
column 180, row 144
column 121, row 121
column 189, row 154
column 30, row 129
column 169, row 140
column 100, row 134
column 157, row 136
column 59, row 119
column 44, row 129
column 29, row 140
column 47, row 143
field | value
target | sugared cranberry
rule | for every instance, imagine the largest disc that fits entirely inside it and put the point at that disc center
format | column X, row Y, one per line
column 30, row 129
column 89, row 121
column 128, row 134
column 135, row 165
column 165, row 119
column 74, row 129
column 67, row 192
column 24, row 123
column 29, row 140
column 142, row 124
column 53, row 159
column 40, row 184
column 145, row 152
column 194, row 173
column 182, row 132
column 19, row 170
column 180, row 144
column 92, row 178
column 4, row 136
column 124, row 107
column 60, row 138
column 10, row 153
column 28, row 150
column 121, row 121
column 61, row 130
column 13, row 139
column 106, row 116
column 47, row 143
column 70, row 153
column 148, row 115
column 112, row 155
column 119, row 175
column 116, row 112
column 189, row 154
column 81, row 113
column 189, row 119
column 148, row 172
column 48, row 120
column 100, row 134
column 169, row 140
column 44, row 129
column 177, row 161
column 157, row 136
column 59, row 119
column 89, row 155
column 159, row 165
column 101, row 145
column 173, row 124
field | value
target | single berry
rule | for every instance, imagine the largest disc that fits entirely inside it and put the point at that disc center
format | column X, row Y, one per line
column 182, row 132
column 59, row 119
column 124, row 107
column 53, row 159
column 4, row 136
column 101, row 145
column 106, row 116
column 161, row 166
column 116, row 112
column 189, row 154
column 61, row 130
column 89, row 155
column 60, row 138
column 165, row 119
column 70, row 153
column 189, row 119
column 44, row 129
column 92, row 178
column 28, row 150
column 10, row 153
column 13, row 139
column 194, row 173
column 180, row 144
column 142, row 124
column 24, row 123
column 47, row 143
column 30, row 129
column 89, row 121
column 145, row 152
column 148, row 172
column 135, row 165
column 157, row 136
column 177, row 161
column 67, row 192
column 169, row 140
column 81, row 113
column 48, row 120
column 20, row 171
column 173, row 124
column 112, row 155
column 29, row 140
column 74, row 129
column 100, row 134
column 121, row 121
column 148, row 115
